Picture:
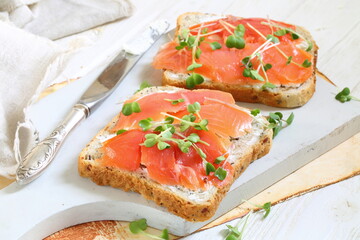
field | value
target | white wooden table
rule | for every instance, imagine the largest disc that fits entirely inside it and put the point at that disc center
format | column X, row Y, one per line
column 329, row 213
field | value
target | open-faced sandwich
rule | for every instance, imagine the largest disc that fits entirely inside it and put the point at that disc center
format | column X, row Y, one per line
column 254, row 59
column 181, row 148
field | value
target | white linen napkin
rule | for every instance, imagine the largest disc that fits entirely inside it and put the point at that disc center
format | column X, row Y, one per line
column 29, row 63
column 24, row 59
column 55, row 19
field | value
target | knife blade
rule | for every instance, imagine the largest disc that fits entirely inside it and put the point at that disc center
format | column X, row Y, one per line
column 36, row 161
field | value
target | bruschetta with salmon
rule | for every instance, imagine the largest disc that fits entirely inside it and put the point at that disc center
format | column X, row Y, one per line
column 255, row 59
column 180, row 148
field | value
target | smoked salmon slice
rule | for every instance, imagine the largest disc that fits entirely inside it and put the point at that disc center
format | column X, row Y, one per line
column 225, row 64
column 154, row 104
column 185, row 155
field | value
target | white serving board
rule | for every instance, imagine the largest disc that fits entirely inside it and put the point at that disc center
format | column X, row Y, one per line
column 61, row 198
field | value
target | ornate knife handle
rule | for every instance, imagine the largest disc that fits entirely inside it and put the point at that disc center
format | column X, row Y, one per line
column 35, row 162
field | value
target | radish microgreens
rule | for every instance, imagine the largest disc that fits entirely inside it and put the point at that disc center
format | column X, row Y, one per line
column 120, row 131
column 306, row 63
column 139, row 227
column 175, row 101
column 163, row 134
column 143, row 85
column 233, row 231
column 277, row 48
column 294, row 35
column 193, row 80
column 276, row 122
column 249, row 70
column 130, row 108
column 344, row 96
column 236, row 40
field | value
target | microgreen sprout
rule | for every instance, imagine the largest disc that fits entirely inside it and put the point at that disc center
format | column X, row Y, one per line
column 139, row 227
column 219, row 159
column 269, row 39
column 130, row 108
column 249, row 70
column 306, row 63
column 276, row 122
column 193, row 80
column 255, row 112
column 120, row 131
column 236, row 40
column 268, row 85
column 234, row 233
column 289, row 60
column 209, row 168
column 215, row 45
column 143, row 85
column 192, row 43
column 220, row 173
column 344, row 96
column 294, row 35
column 272, row 38
column 175, row 101
column 145, row 124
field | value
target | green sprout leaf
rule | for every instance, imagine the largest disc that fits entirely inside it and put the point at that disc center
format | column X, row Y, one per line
column 193, row 80
column 276, row 122
column 247, row 72
column 120, row 131
column 281, row 32
column 235, row 42
column 246, row 61
column 306, row 63
column 143, row 85
column 130, row 108
column 294, row 36
column 193, row 137
column 310, row 46
column 344, row 96
column 255, row 112
column 289, row 60
column 138, row 226
column 219, row 159
column 175, row 101
column 193, row 108
column 165, row 234
column 215, row 45
column 193, row 66
column 267, row 208
column 290, row 119
column 233, row 231
column 256, row 76
column 145, row 124
column 272, row 38
column 197, row 54
column 163, row 145
column 267, row 66
column 268, row 85
column 239, row 31
column 220, row 173
column 209, row 168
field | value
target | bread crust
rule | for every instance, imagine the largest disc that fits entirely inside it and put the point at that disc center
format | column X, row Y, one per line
column 285, row 96
column 162, row 195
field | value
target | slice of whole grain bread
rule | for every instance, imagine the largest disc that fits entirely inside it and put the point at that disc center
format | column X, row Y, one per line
column 192, row 205
column 287, row 96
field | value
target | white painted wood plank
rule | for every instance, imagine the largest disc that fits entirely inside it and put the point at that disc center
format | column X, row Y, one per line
column 330, row 213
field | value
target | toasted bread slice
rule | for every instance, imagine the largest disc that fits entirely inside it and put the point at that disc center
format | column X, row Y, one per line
column 287, row 96
column 192, row 205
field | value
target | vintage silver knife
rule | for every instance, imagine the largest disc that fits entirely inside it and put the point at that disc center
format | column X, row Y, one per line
column 35, row 162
